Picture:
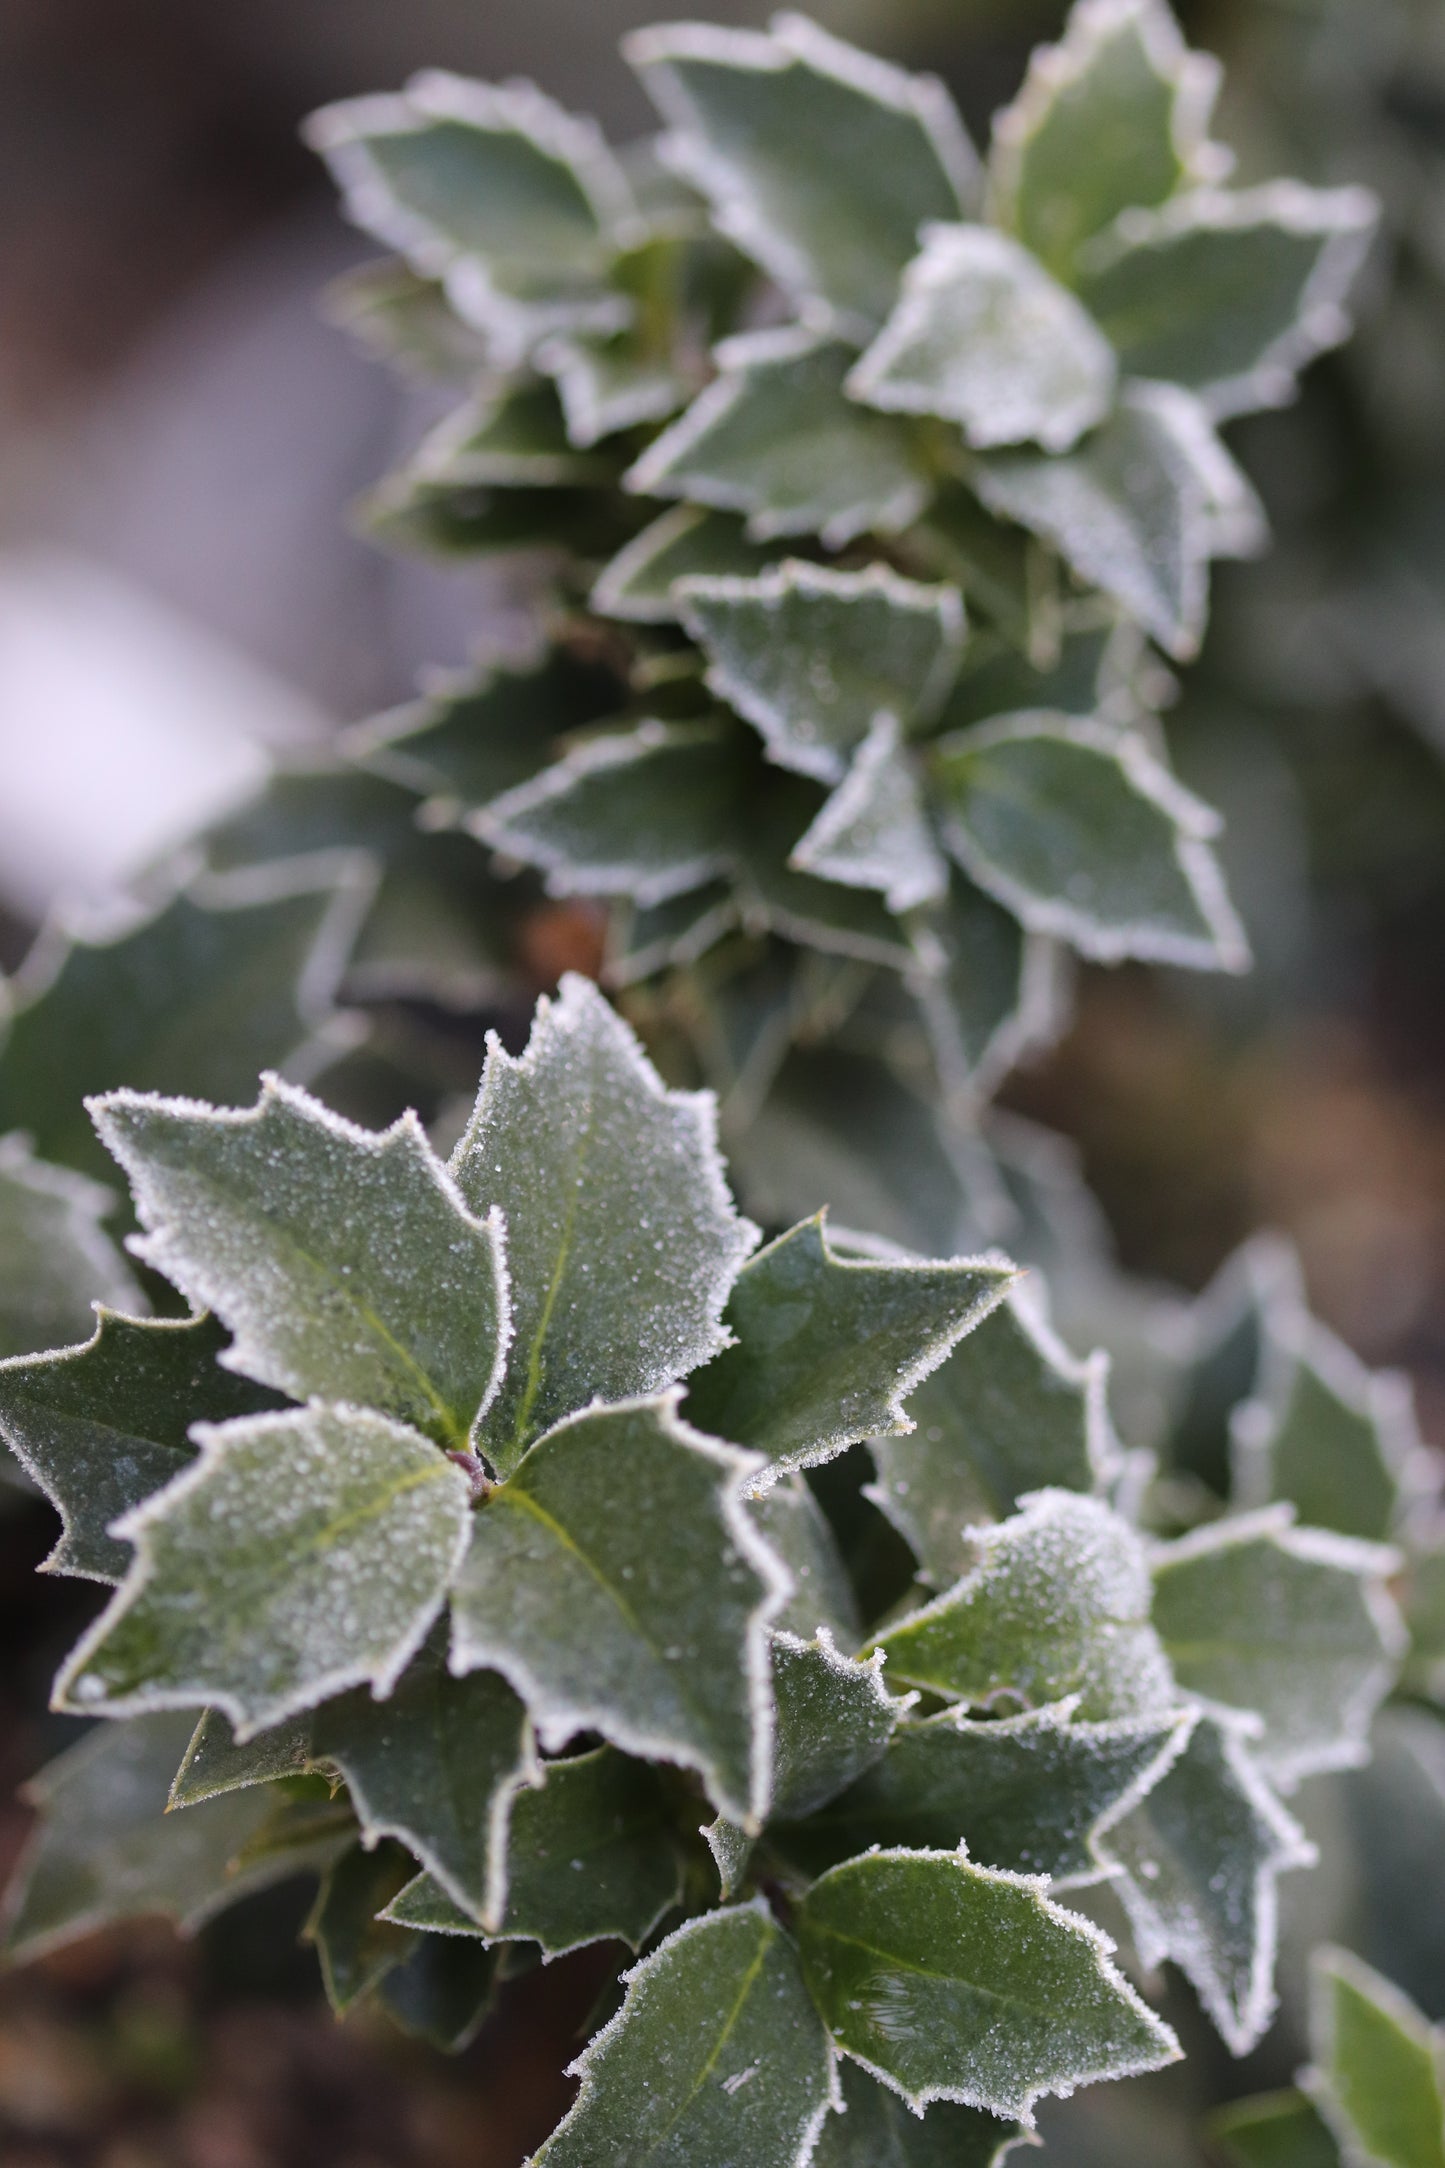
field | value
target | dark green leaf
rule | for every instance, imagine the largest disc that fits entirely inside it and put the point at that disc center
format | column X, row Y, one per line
column 102, row 1426
column 874, row 832
column 953, row 1982
column 877, row 2131
column 829, row 1348
column 56, row 1261
column 441, row 1991
column 266, row 1576
column 834, row 1719
column 1058, row 1605
column 686, row 542
column 1377, row 2075
column 795, row 1527
column 345, row 1263
column 716, row 2057
column 1275, row 2130
column 616, row 1580
column 356, row 1948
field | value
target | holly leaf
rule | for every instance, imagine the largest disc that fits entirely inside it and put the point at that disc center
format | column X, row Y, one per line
column 774, row 896
column 611, row 381
column 438, row 1765
column 873, row 832
column 1032, row 1794
column 55, row 1258
column 472, row 737
column 686, row 542
column 405, row 320
column 647, row 812
column 954, row 1982
column 1114, row 116
column 834, row 1719
column 513, row 437
column 1292, row 1623
column 104, row 1849
column 101, row 1426
column 356, row 1947
column 214, row 1764
column 623, row 1241
column 236, row 973
column 990, row 991
column 982, row 335
column 265, row 1576
column 716, row 2056
column 818, row 160
column 812, row 657
column 732, row 1850
column 876, row 2130
column 345, row 1262
column 514, row 204
column 794, row 1526
column 775, row 437
column 1376, row 2078
column 441, row 1991
column 587, row 1859
column 1337, row 1441
column 1129, row 509
column 1057, row 1605
column 1078, row 830
column 577, row 1589
column 1230, row 294
column 1197, row 1864
column 826, row 1349
column 1274, row 2130
column 1229, row 1336
column 1008, row 1412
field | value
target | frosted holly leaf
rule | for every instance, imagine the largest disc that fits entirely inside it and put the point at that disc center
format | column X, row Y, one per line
column 1057, row 1605
column 982, row 335
column 875, row 2130
column 441, row 520
column 587, row 1859
column 513, row 438
column 1225, row 1342
column 438, row 1765
column 950, row 1981
column 647, row 813
column 356, row 1947
column 1114, row 116
column 104, row 1849
column 1032, row 1793
column 345, row 1262
column 1424, row 1672
column 403, row 318
column 609, row 382
column 818, row 160
column 1274, row 2130
column 1294, row 1624
column 732, row 1850
column 990, row 991
column 1079, row 678
column 811, row 657
column 1333, row 1439
column 214, row 1764
column 1128, row 509
column 716, row 2056
column 517, row 206
column 576, row 1589
column 674, row 934
column 56, row 1259
column 1197, row 1864
column 441, row 1991
column 471, row 737
column 873, row 832
column 1378, row 2074
column 775, row 437
column 827, row 1349
column 623, row 1240
column 237, row 972
column 101, row 1426
column 301, row 1554
column 686, row 542
column 1009, row 1412
column 1230, row 294
column 834, row 1719
column 775, row 896
column 1002, row 571
column 794, row 1525
column 1079, row 830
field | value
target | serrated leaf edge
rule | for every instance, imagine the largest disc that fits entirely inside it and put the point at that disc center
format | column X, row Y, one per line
column 1327, row 1961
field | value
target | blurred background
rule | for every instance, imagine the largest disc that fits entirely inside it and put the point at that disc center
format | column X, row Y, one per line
column 181, row 433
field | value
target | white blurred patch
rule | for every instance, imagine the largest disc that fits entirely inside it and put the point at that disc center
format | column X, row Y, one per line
column 123, row 727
